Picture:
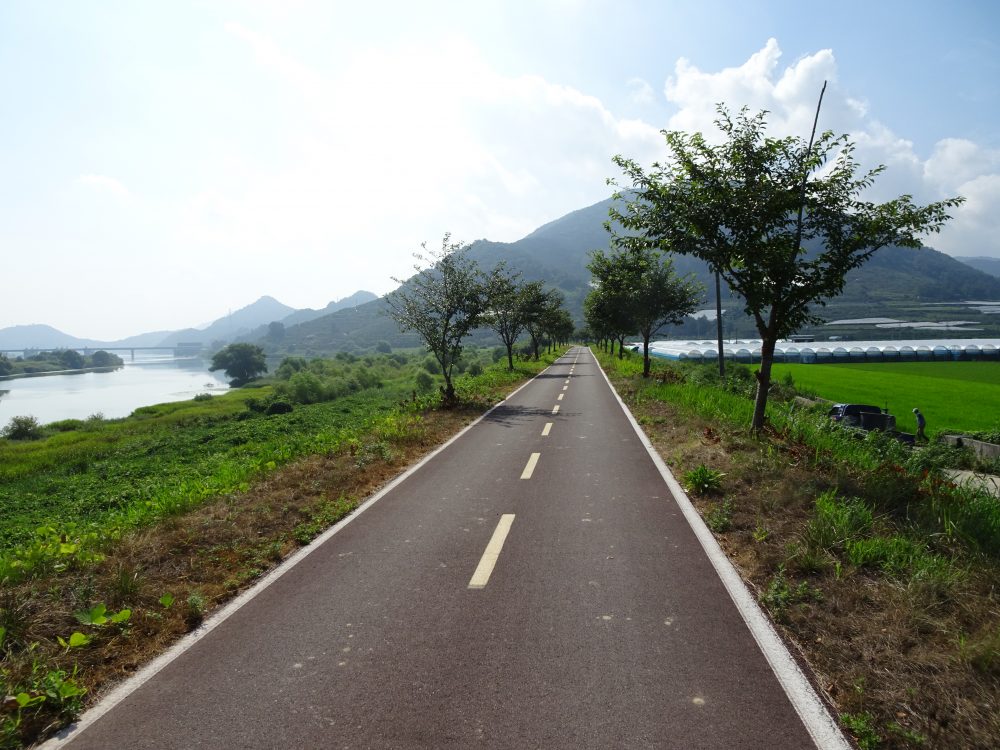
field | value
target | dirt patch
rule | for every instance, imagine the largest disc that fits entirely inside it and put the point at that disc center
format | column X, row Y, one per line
column 908, row 665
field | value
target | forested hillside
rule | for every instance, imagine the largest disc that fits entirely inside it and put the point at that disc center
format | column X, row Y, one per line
column 894, row 283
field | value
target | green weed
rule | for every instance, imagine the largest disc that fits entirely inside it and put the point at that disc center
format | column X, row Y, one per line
column 720, row 517
column 780, row 594
column 862, row 726
column 703, row 480
column 836, row 521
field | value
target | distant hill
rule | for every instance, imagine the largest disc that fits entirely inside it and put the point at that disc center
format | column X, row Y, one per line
column 38, row 336
column 247, row 323
column 558, row 253
column 981, row 263
column 232, row 326
column 303, row 316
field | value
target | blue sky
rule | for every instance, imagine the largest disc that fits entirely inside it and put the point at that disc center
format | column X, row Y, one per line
column 162, row 163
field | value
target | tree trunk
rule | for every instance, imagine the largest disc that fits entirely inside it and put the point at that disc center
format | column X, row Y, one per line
column 612, row 343
column 449, row 393
column 621, row 347
column 510, row 357
column 646, row 335
column 763, row 383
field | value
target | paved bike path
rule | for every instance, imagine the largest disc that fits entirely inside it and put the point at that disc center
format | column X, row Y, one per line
column 602, row 622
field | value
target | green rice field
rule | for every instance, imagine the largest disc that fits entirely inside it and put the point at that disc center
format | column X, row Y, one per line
column 952, row 395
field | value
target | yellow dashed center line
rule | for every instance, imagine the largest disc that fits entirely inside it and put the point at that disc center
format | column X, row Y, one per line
column 546, row 428
column 559, row 397
column 555, row 409
column 489, row 559
column 530, row 467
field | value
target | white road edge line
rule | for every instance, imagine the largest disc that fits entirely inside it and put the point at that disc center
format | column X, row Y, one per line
column 820, row 724
column 492, row 553
column 124, row 689
column 529, row 468
column 546, row 428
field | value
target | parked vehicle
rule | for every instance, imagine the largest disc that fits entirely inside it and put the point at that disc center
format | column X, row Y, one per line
column 863, row 416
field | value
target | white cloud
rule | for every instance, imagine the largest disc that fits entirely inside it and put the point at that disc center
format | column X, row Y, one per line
column 398, row 147
column 640, row 91
column 103, row 183
column 956, row 167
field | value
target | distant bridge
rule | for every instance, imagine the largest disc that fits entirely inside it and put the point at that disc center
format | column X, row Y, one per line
column 180, row 349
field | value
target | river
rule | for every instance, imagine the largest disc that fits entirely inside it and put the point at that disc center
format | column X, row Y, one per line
column 150, row 379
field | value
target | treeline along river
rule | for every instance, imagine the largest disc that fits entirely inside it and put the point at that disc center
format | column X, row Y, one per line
column 150, row 379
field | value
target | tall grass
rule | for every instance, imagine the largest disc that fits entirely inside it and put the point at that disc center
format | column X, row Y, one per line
column 896, row 480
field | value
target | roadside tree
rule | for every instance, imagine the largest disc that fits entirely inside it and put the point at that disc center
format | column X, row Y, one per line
column 506, row 307
column 650, row 293
column 607, row 307
column 541, row 305
column 747, row 205
column 242, row 362
column 442, row 303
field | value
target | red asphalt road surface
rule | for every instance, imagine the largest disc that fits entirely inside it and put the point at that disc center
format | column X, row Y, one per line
column 602, row 625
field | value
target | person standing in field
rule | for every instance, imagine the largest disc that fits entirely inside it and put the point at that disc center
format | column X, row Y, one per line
column 921, row 424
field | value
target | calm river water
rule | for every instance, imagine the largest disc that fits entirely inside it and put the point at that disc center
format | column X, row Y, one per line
column 148, row 380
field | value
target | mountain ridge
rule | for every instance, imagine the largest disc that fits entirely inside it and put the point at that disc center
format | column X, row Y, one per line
column 241, row 322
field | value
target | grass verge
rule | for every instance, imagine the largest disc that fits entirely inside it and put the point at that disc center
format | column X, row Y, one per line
column 881, row 574
column 148, row 523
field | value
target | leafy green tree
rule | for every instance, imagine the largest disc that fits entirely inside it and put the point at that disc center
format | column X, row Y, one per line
column 560, row 326
column 102, row 358
column 70, row 359
column 442, row 303
column 746, row 205
column 540, row 306
column 647, row 291
column 6, row 367
column 607, row 307
column 242, row 362
column 506, row 307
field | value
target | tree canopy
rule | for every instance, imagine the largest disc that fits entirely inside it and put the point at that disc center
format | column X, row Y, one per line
column 637, row 291
column 746, row 205
column 442, row 303
column 241, row 362
column 506, row 310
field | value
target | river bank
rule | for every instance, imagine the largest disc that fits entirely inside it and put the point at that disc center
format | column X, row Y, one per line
column 114, row 393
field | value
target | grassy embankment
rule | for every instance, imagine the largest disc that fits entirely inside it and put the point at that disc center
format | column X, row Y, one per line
column 882, row 573
column 953, row 396
column 119, row 535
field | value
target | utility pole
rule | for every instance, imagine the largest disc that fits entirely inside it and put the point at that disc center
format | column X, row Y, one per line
column 718, row 324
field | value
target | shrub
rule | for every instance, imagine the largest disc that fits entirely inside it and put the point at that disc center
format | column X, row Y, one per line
column 279, row 407
column 203, row 397
column 22, row 428
column 424, row 381
column 66, row 425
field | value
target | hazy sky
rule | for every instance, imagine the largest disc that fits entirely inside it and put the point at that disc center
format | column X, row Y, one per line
column 164, row 162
